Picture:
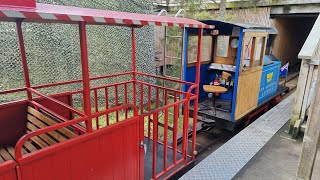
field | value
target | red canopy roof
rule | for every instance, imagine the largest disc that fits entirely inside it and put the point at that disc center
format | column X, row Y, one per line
column 48, row 12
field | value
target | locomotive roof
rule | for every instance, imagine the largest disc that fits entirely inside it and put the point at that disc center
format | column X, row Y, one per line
column 270, row 30
column 68, row 14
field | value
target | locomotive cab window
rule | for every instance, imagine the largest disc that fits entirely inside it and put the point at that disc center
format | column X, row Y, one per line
column 192, row 50
column 254, row 45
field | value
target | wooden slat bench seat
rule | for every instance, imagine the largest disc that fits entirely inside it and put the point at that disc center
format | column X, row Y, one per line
column 37, row 120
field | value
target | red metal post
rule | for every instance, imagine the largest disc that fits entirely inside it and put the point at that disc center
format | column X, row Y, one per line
column 96, row 106
column 165, row 130
column 133, row 65
column 149, row 109
column 141, row 98
column 24, row 59
column 85, row 75
column 125, row 99
column 106, row 94
column 185, row 125
column 175, row 129
column 116, row 103
column 154, row 145
column 194, row 127
column 155, row 126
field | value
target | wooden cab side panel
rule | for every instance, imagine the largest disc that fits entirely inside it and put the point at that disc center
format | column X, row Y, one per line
column 249, row 79
column 248, row 92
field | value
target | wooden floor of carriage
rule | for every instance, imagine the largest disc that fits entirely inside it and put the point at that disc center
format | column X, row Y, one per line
column 232, row 156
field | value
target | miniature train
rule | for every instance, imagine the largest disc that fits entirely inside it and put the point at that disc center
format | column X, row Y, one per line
column 239, row 51
column 144, row 133
column 47, row 136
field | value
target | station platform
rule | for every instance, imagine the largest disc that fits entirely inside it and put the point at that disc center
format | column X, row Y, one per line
column 227, row 161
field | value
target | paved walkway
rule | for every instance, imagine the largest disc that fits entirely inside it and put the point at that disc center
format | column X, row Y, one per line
column 277, row 160
column 230, row 158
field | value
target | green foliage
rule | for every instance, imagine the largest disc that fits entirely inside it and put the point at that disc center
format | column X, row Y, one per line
column 203, row 15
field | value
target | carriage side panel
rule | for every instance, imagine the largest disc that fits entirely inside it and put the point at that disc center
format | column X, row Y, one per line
column 97, row 155
column 8, row 170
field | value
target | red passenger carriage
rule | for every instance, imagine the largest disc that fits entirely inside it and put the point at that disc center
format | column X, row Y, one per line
column 47, row 137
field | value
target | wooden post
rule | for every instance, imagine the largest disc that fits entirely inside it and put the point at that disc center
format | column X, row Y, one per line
column 303, row 75
column 307, row 92
column 311, row 137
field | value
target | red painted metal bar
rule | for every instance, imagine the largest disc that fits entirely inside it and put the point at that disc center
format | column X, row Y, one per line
column 65, row 93
column 111, row 75
column 47, row 129
column 23, row 58
column 149, row 108
column 164, row 107
column 95, row 94
column 39, row 106
column 76, row 131
column 169, row 169
column 134, row 65
column 56, row 84
column 57, row 102
column 85, row 75
column 125, row 99
column 165, row 78
column 155, row 127
column 195, row 105
column 170, row 147
column 114, row 109
column 116, row 99
column 110, row 85
column 154, row 145
column 175, row 130
column 184, row 130
column 79, row 80
column 13, row 90
column 175, row 171
column 165, row 130
column 160, row 87
column 106, row 94
column 141, row 98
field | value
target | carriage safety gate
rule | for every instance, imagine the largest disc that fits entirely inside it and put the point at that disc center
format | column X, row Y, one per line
column 123, row 140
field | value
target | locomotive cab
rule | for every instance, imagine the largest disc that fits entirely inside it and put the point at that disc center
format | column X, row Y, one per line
column 237, row 79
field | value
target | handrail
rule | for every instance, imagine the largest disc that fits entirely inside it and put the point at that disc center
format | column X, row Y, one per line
column 311, row 44
column 13, row 90
column 56, row 101
column 188, row 98
column 163, row 107
column 160, row 87
column 181, row 13
column 167, row 79
column 64, row 83
column 163, row 11
column 27, row 136
column 190, row 89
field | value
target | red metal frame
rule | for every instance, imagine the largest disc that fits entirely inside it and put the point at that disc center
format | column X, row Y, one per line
column 157, row 119
column 85, row 73
column 17, row 3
